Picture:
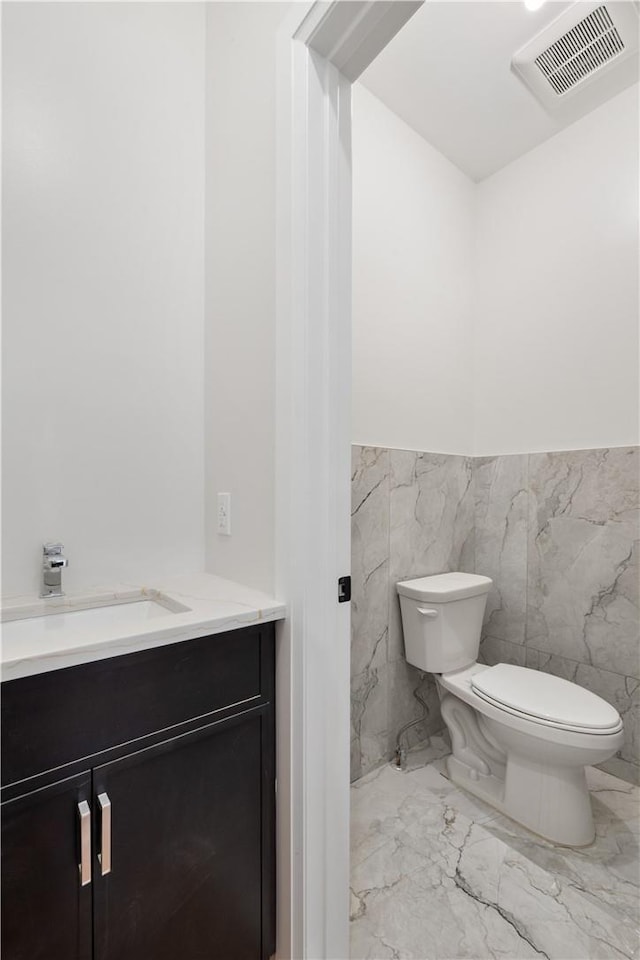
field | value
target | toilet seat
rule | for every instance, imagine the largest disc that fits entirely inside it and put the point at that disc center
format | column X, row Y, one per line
column 545, row 699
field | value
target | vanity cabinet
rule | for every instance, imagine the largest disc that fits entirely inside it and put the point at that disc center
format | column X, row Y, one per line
column 46, row 912
column 150, row 832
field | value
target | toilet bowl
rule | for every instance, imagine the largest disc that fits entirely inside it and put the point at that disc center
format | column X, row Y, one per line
column 521, row 739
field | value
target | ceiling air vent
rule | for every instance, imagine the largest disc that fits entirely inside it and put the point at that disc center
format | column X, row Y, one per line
column 585, row 48
column 586, row 42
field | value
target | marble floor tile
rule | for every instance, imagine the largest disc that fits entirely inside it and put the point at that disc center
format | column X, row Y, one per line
column 434, row 749
column 438, row 875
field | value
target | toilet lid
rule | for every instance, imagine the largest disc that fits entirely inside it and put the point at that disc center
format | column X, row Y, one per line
column 544, row 697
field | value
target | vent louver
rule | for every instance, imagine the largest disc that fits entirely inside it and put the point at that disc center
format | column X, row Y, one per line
column 593, row 42
column 584, row 56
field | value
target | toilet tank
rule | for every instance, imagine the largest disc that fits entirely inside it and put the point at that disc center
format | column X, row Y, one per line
column 442, row 620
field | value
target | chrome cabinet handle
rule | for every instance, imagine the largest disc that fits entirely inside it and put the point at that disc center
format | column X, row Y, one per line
column 105, row 833
column 84, row 816
column 426, row 612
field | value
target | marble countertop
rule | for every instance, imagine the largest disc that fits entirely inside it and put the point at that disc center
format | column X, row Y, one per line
column 197, row 606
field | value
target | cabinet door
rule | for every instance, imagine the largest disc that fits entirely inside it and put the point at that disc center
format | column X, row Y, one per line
column 186, row 848
column 46, row 911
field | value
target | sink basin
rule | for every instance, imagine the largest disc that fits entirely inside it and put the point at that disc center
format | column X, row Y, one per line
column 39, row 623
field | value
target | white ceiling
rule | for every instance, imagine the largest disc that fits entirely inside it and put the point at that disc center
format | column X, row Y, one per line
column 447, row 74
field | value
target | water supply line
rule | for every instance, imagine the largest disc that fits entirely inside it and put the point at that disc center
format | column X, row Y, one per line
column 400, row 754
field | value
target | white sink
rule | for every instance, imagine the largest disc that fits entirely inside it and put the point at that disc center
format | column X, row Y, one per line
column 43, row 623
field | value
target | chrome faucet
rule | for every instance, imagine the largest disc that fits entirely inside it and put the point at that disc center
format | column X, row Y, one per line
column 52, row 565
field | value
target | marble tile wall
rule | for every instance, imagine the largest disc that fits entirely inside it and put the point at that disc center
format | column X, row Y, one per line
column 412, row 515
column 558, row 534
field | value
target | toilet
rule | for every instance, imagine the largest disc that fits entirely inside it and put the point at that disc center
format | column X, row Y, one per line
column 521, row 739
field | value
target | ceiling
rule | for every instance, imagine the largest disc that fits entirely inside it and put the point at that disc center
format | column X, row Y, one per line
column 447, row 74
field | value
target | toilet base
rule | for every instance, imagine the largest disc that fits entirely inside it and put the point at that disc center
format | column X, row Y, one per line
column 533, row 773
column 534, row 798
column 552, row 801
column 482, row 785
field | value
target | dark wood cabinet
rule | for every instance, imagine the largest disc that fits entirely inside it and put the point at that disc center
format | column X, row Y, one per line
column 182, row 816
column 185, row 879
column 46, row 912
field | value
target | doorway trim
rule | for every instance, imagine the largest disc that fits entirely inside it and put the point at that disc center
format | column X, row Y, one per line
column 322, row 48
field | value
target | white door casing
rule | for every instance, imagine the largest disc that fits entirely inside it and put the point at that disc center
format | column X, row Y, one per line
column 322, row 48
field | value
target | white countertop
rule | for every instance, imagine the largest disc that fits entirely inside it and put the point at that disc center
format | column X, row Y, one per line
column 214, row 606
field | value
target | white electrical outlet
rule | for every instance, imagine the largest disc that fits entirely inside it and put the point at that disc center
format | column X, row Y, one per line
column 224, row 514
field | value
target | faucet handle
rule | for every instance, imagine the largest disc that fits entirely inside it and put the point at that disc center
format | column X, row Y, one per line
column 52, row 558
column 53, row 563
column 52, row 549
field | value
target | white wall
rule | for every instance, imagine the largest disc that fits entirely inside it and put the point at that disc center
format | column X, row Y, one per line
column 526, row 341
column 103, row 289
column 412, row 268
column 557, row 257
column 240, row 286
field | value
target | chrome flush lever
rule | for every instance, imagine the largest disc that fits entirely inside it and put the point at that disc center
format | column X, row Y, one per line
column 426, row 612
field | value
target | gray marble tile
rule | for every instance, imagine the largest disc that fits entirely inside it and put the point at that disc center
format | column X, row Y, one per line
column 431, row 523
column 433, row 878
column 623, row 769
column 437, row 746
column 494, row 651
column 621, row 692
column 403, row 707
column 369, row 607
column 369, row 558
column 395, row 640
column 387, row 802
column 355, row 760
column 369, row 730
column 415, row 514
column 582, row 590
column 501, row 517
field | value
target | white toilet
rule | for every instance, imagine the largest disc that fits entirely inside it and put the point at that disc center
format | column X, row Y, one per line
column 520, row 738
